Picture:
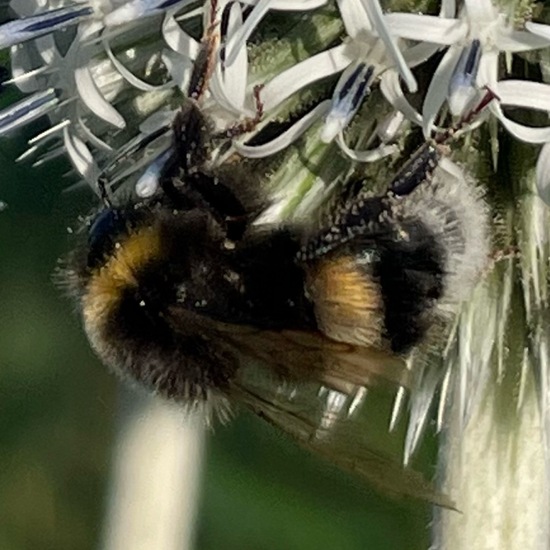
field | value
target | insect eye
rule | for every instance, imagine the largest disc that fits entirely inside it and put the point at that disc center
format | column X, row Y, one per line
column 103, row 232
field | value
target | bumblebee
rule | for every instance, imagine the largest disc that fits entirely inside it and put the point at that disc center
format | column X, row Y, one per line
column 182, row 293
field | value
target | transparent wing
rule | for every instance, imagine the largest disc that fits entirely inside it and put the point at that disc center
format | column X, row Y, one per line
column 333, row 398
column 323, row 394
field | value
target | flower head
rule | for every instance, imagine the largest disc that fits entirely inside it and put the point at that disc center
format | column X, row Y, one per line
column 337, row 106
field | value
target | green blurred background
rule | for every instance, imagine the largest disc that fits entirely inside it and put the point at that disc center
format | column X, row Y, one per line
column 57, row 419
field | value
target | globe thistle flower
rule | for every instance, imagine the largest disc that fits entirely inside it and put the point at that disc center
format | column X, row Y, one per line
column 372, row 80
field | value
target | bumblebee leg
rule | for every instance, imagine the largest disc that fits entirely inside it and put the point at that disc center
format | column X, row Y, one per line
column 206, row 58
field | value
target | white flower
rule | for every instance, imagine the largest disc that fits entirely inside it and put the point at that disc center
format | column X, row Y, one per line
column 476, row 38
column 370, row 52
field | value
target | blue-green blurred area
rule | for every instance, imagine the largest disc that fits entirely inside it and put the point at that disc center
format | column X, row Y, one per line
column 57, row 409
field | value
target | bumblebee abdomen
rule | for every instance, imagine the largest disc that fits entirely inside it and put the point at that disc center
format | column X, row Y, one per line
column 395, row 275
column 381, row 293
column 411, row 273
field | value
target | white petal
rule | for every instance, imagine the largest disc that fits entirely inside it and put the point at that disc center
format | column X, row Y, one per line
column 47, row 49
column 287, row 137
column 22, row 62
column 390, row 126
column 543, row 173
column 179, row 66
column 481, row 11
column 419, row 53
column 374, row 11
column 290, row 5
column 390, row 86
column 538, row 29
column 49, row 133
column 354, row 17
column 136, row 9
column 524, row 133
column 438, row 88
column 524, row 93
column 222, row 99
column 131, row 78
column 519, row 41
column 156, row 121
column 235, row 43
column 91, row 138
column 448, row 8
column 234, row 75
column 314, row 68
column 426, row 28
column 179, row 40
column 93, row 98
column 371, row 155
column 487, row 73
column 81, row 157
column 50, row 155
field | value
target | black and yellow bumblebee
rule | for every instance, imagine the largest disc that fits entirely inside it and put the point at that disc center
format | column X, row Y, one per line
column 182, row 293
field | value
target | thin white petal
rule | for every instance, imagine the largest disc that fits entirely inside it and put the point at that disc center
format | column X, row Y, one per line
column 156, row 121
column 374, row 11
column 93, row 98
column 49, row 133
column 371, row 155
column 487, row 73
column 426, row 28
column 314, row 68
column 390, row 86
column 538, row 29
column 438, row 88
column 524, row 133
column 234, row 75
column 287, row 137
column 21, row 59
column 354, row 18
column 91, row 138
column 462, row 86
column 50, row 155
column 179, row 40
column 524, row 93
column 419, row 53
column 179, row 66
column 80, row 156
column 236, row 42
column 218, row 90
column 448, row 8
column 480, row 10
column 390, row 126
column 543, row 173
column 131, row 78
column 290, row 5
column 519, row 41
